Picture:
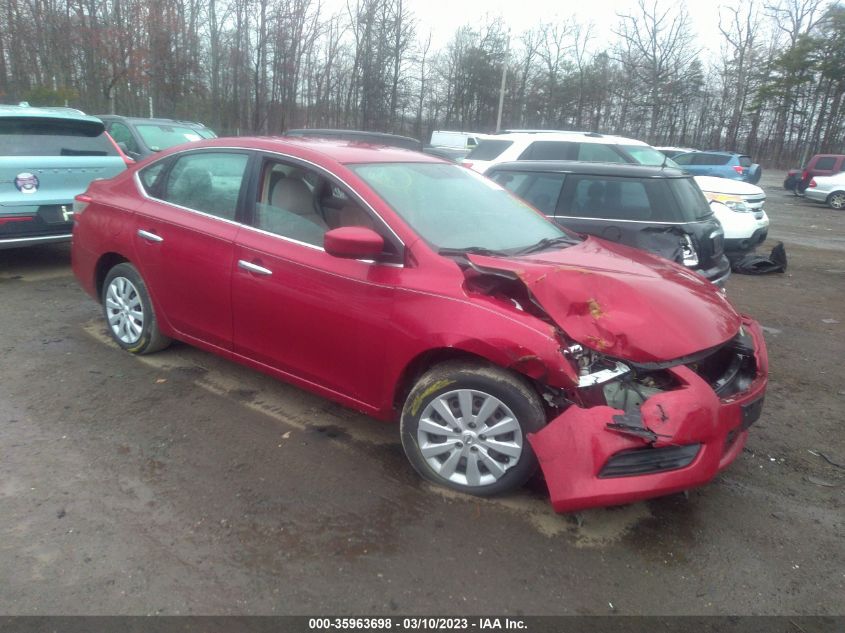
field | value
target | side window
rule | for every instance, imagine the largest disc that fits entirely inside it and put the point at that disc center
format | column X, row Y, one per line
column 828, row 162
column 511, row 180
column 596, row 152
column 550, row 150
column 150, row 176
column 121, row 134
column 543, row 191
column 302, row 205
column 684, row 159
column 207, row 181
column 607, row 198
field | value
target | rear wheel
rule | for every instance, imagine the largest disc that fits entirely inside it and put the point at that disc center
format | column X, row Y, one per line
column 129, row 311
column 836, row 200
column 465, row 426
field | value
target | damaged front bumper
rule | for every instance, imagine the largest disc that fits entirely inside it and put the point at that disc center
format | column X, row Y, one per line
column 675, row 440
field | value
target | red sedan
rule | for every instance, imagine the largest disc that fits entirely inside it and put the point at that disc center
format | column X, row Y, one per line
column 416, row 290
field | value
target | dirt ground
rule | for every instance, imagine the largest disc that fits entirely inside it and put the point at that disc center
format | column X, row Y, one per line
column 180, row 483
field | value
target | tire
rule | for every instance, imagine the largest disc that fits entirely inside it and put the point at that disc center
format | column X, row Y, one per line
column 789, row 183
column 836, row 200
column 129, row 312
column 469, row 460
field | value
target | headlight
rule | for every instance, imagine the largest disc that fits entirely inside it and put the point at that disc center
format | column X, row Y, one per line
column 734, row 203
column 593, row 368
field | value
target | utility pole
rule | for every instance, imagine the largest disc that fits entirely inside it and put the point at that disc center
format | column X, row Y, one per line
column 502, row 87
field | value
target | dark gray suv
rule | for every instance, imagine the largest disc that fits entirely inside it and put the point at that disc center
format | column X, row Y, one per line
column 139, row 137
column 661, row 210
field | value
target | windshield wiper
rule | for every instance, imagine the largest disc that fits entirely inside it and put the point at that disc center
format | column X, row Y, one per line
column 472, row 250
column 547, row 242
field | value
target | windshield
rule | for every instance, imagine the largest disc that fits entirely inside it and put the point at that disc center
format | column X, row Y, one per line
column 159, row 137
column 647, row 155
column 452, row 207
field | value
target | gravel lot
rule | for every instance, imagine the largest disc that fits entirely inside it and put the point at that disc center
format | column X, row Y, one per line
column 183, row 484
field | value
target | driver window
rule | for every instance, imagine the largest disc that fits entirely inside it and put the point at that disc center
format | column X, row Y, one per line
column 302, row 205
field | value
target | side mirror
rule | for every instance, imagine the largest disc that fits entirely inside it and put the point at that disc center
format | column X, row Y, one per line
column 353, row 242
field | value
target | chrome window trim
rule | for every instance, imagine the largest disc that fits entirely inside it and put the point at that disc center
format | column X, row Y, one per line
column 140, row 186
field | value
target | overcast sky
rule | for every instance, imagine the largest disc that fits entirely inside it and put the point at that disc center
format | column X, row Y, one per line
column 444, row 17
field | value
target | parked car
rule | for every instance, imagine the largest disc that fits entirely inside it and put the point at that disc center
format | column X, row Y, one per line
column 739, row 206
column 138, row 137
column 721, row 164
column 540, row 145
column 671, row 152
column 416, row 290
column 360, row 136
column 828, row 189
column 661, row 210
column 47, row 156
column 456, row 140
column 798, row 180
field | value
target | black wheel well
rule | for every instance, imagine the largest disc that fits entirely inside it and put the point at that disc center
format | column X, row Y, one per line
column 104, row 265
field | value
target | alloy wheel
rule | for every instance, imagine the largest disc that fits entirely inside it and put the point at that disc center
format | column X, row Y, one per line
column 837, row 200
column 469, row 437
column 124, row 310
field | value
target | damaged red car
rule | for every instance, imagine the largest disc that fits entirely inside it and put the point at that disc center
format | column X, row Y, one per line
column 418, row 291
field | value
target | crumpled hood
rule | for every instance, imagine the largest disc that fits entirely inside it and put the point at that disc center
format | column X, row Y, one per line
column 624, row 302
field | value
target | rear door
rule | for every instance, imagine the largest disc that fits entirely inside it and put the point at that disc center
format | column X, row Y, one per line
column 184, row 239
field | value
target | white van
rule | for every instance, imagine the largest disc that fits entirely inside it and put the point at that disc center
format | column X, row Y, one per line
column 456, row 140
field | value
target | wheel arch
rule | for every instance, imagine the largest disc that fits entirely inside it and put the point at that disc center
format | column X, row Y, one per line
column 106, row 262
column 432, row 357
column 833, row 193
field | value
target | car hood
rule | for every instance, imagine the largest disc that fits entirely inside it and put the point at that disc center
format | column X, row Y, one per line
column 621, row 301
column 728, row 186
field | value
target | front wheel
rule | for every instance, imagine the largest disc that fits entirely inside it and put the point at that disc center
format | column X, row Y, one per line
column 836, row 200
column 129, row 311
column 465, row 426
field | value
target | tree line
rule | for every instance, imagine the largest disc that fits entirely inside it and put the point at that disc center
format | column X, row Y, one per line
column 774, row 90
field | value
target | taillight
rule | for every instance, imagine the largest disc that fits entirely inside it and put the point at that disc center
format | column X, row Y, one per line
column 804, row 175
column 812, row 183
column 80, row 202
column 739, row 169
column 16, row 218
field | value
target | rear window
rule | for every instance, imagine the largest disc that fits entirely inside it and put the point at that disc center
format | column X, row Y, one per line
column 39, row 137
column 745, row 161
column 647, row 200
column 489, row 149
column 647, row 155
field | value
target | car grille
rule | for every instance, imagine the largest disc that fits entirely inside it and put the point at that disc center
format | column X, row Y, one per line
column 755, row 202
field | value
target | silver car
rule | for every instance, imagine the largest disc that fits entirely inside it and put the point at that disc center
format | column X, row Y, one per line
column 828, row 189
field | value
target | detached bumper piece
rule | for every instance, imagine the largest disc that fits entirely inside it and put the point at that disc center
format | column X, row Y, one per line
column 678, row 440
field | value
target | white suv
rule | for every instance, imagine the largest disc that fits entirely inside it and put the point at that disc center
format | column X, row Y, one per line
column 740, row 212
column 582, row 146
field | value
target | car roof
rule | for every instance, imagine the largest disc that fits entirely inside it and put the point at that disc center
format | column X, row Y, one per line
column 563, row 135
column 140, row 119
column 626, row 170
column 57, row 113
column 330, row 150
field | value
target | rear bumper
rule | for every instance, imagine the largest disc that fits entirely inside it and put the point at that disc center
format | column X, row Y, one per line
column 586, row 464
column 47, row 225
column 719, row 273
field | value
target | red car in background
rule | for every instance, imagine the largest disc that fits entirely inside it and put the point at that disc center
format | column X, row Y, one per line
column 413, row 289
